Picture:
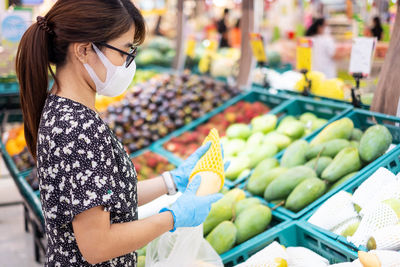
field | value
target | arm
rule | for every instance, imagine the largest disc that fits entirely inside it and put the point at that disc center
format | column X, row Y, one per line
column 99, row 241
column 151, row 189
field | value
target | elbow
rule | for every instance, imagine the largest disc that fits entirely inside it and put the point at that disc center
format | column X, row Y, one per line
column 95, row 254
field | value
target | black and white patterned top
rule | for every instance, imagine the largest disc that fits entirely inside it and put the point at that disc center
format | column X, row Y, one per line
column 81, row 165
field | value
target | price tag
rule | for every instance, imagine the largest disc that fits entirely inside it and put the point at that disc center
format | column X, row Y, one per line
column 304, row 54
column 257, row 46
column 362, row 53
column 190, row 47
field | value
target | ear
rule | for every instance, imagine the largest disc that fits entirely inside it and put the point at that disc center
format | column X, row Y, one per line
column 81, row 51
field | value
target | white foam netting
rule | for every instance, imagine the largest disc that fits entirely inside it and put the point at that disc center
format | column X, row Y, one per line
column 388, row 237
column 303, row 257
column 343, row 226
column 266, row 257
column 388, row 258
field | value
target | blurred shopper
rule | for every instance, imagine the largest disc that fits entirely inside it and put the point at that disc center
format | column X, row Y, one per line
column 324, row 48
column 235, row 35
column 223, row 29
column 377, row 30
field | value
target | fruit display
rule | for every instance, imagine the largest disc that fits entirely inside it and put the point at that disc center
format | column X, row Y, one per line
column 158, row 51
column 235, row 219
column 306, row 171
column 18, row 150
column 241, row 112
column 369, row 217
column 167, row 102
column 149, row 165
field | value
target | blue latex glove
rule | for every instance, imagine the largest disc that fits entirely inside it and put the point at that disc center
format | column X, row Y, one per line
column 181, row 174
column 190, row 210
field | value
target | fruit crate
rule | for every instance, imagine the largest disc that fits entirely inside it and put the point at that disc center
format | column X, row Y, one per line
column 281, row 106
column 362, row 119
column 390, row 162
column 291, row 234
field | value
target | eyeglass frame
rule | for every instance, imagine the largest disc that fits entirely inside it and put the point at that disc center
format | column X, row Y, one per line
column 130, row 56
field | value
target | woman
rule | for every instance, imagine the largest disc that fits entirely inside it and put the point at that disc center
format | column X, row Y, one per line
column 88, row 184
column 324, row 49
column 377, row 29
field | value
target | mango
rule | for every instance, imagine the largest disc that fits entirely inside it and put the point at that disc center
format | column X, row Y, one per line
column 355, row 144
column 342, row 180
column 235, row 195
column 280, row 140
column 394, row 203
column 305, row 193
column 345, row 162
column 329, row 149
column 238, row 130
column 374, row 142
column 319, row 164
column 350, row 229
column 237, row 166
column 293, row 129
column 342, row 129
column 233, row 147
column 245, row 204
column 223, row 237
column 252, row 222
column 287, row 119
column 264, row 124
column 264, row 167
column 141, row 261
column 254, row 140
column 318, row 123
column 307, row 118
column 259, row 181
column 264, row 151
column 244, row 173
column 356, row 134
column 295, row 154
column 281, row 187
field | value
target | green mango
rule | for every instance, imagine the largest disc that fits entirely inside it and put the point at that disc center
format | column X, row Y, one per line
column 293, row 129
column 238, row 130
column 233, row 147
column 307, row 118
column 345, row 162
column 255, row 140
column 264, row 151
column 318, row 123
column 224, row 190
column 319, row 164
column 245, row 203
column 329, row 149
column 340, row 129
column 355, row 144
column 295, row 154
column 237, row 166
column 264, row 166
column 142, row 251
column 223, row 237
column 374, row 142
column 356, row 134
column 280, row 140
column 287, row 119
column 281, row 187
column 252, row 222
column 260, row 180
column 235, row 195
column 350, row 229
column 264, row 124
column 342, row 180
column 244, row 173
column 141, row 261
column 305, row 193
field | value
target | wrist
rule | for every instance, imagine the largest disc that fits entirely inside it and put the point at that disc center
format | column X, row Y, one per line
column 172, row 227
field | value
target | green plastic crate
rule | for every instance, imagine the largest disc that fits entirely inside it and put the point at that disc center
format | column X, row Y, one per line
column 392, row 163
column 362, row 119
column 291, row 234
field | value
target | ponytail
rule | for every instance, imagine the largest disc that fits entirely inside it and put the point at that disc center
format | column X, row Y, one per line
column 32, row 66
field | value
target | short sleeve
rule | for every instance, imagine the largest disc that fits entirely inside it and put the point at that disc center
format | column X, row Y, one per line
column 330, row 47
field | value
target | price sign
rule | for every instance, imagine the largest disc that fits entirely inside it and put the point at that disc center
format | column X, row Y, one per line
column 362, row 53
column 190, row 47
column 257, row 46
column 304, row 54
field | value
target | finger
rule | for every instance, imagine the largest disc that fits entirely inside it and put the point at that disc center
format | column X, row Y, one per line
column 194, row 185
column 212, row 198
column 222, row 151
column 226, row 165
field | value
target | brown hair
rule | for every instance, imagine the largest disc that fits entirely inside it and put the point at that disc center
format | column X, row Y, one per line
column 46, row 42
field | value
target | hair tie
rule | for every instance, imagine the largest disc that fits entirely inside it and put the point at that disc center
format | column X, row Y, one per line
column 42, row 23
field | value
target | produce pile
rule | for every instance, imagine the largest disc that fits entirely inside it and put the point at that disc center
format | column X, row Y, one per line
column 167, row 102
column 306, row 171
column 249, row 146
column 18, row 150
column 370, row 217
column 149, row 165
column 235, row 219
column 158, row 51
column 242, row 112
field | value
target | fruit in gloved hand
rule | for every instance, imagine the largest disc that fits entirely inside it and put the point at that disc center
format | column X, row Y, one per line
column 237, row 166
column 293, row 129
column 340, row 129
column 280, row 140
column 374, row 142
column 319, row 164
column 342, row 180
column 305, row 193
column 347, row 161
column 251, row 222
column 238, row 130
column 223, row 237
column 259, row 181
column 356, row 134
column 266, row 150
column 281, row 187
column 295, row 154
column 245, row 204
column 394, row 203
column 329, row 149
column 264, row 124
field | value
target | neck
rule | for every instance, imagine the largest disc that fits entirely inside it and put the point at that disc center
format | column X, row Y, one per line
column 74, row 87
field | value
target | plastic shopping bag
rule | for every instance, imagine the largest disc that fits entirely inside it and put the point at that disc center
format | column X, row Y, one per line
column 185, row 247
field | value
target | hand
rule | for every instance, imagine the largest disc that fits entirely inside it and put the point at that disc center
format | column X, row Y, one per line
column 190, row 210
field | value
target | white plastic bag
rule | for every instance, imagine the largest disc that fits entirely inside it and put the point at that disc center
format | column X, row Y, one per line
column 185, row 247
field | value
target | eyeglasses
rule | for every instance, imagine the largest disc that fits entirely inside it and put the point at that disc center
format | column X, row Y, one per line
column 130, row 55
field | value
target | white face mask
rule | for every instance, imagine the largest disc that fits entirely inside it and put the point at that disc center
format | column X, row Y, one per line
column 118, row 78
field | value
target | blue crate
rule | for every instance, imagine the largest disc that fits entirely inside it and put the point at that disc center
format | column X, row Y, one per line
column 291, row 234
column 391, row 162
